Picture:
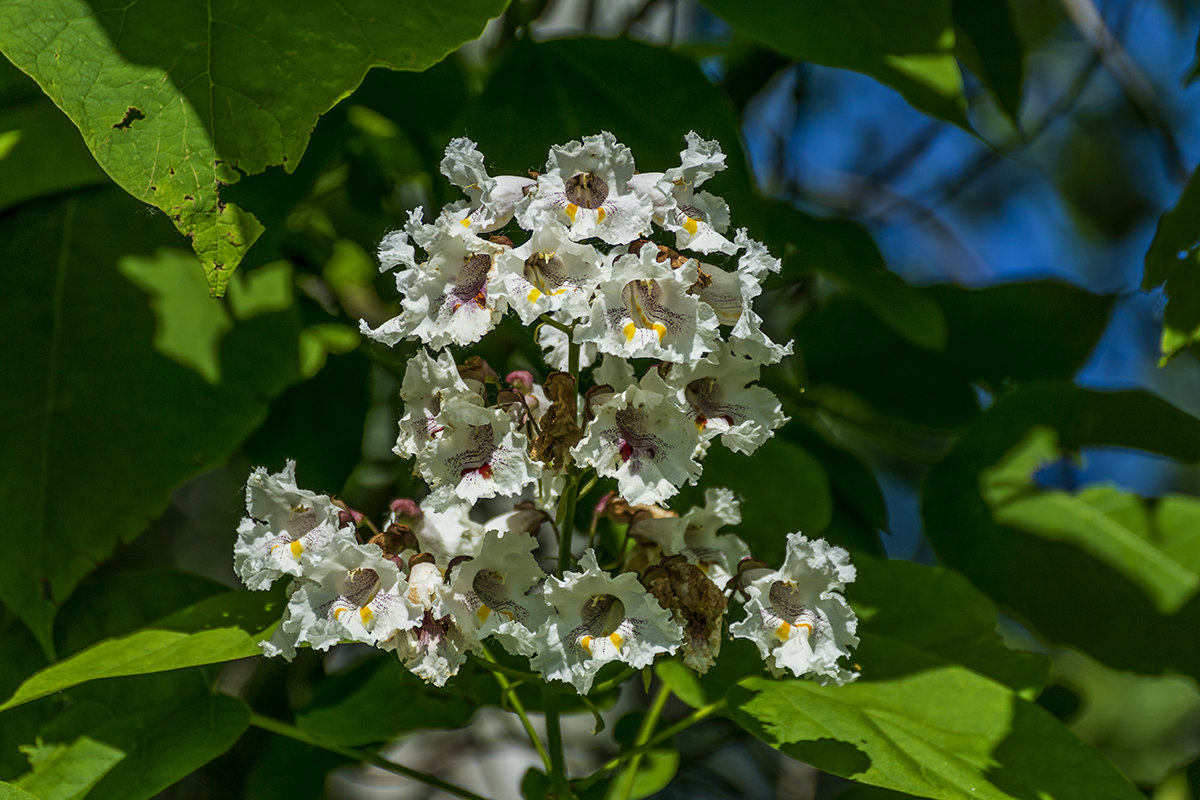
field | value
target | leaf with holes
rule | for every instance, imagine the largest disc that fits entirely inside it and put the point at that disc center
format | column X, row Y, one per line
column 178, row 98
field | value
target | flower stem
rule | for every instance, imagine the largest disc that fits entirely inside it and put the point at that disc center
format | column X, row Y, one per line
column 284, row 729
column 666, row 733
column 509, row 691
column 566, row 522
column 623, row 788
column 554, row 744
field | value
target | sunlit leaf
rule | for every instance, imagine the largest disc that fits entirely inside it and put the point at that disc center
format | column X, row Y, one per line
column 177, row 99
column 1157, row 546
column 99, row 427
column 1073, row 582
column 218, row 629
column 933, row 729
column 907, row 44
column 67, row 772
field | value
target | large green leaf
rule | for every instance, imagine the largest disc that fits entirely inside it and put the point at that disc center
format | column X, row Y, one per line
column 40, row 150
column 1157, row 546
column 1173, row 261
column 168, row 725
column 217, row 629
column 1060, row 563
column 10, row 792
column 938, row 612
column 907, row 44
column 379, row 699
column 67, row 772
column 783, row 488
column 934, row 730
column 98, row 427
column 988, row 43
column 177, row 99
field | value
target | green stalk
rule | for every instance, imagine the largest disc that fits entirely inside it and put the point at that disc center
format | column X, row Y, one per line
column 508, row 689
column 292, row 732
column 623, row 787
column 666, row 733
column 554, row 744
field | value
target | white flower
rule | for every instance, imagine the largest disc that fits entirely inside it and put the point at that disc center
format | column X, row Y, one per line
column 597, row 619
column 478, row 455
column 555, row 352
column 641, row 438
column 446, row 533
column 695, row 535
column 550, row 273
column 493, row 586
column 721, row 402
column 797, row 616
column 286, row 529
column 428, row 384
column 645, row 309
column 356, row 594
column 438, row 644
column 493, row 200
column 453, row 297
column 698, row 218
column 585, row 186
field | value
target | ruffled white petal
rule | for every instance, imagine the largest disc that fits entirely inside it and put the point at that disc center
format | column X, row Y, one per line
column 797, row 617
column 494, row 588
column 596, row 619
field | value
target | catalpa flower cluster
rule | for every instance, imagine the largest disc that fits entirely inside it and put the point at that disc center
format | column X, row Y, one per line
column 640, row 299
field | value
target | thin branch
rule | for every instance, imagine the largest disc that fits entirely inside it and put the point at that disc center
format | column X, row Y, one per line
column 292, row 732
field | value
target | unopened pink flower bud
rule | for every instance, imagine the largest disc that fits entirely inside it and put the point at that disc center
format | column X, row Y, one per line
column 348, row 516
column 404, row 508
column 521, row 380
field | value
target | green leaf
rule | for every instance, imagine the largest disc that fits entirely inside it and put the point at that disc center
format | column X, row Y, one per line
column 1068, row 594
column 933, row 730
column 10, row 792
column 987, row 42
column 1060, row 325
column 1157, row 547
column 177, row 99
column 1173, row 261
column 218, row 629
column 937, row 611
column 655, row 771
column 906, row 44
column 41, row 152
column 782, row 489
column 379, row 699
column 904, row 381
column 96, row 399
column 67, row 772
column 168, row 725
column 845, row 252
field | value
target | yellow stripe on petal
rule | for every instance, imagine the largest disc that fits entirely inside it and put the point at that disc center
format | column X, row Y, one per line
column 807, row 628
column 483, row 613
column 465, row 222
column 533, row 295
column 337, row 613
column 586, row 644
column 365, row 614
column 297, row 547
column 571, row 209
column 600, row 215
column 782, row 631
column 660, row 329
column 630, row 330
column 616, row 639
column 690, row 226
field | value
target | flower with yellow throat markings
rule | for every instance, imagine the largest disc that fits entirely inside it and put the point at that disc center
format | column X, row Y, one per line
column 597, row 619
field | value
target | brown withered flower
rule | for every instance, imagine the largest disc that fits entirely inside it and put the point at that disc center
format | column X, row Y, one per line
column 559, row 430
column 695, row 603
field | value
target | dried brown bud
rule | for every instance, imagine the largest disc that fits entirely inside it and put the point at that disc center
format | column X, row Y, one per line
column 695, row 603
column 395, row 539
column 594, row 397
column 476, row 369
column 559, row 430
column 501, row 240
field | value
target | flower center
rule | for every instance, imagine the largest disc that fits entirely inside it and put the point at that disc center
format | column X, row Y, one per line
column 788, row 604
column 586, row 189
column 633, row 440
column 546, row 272
column 477, row 457
column 643, row 303
column 471, row 286
column 488, row 586
column 704, row 396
